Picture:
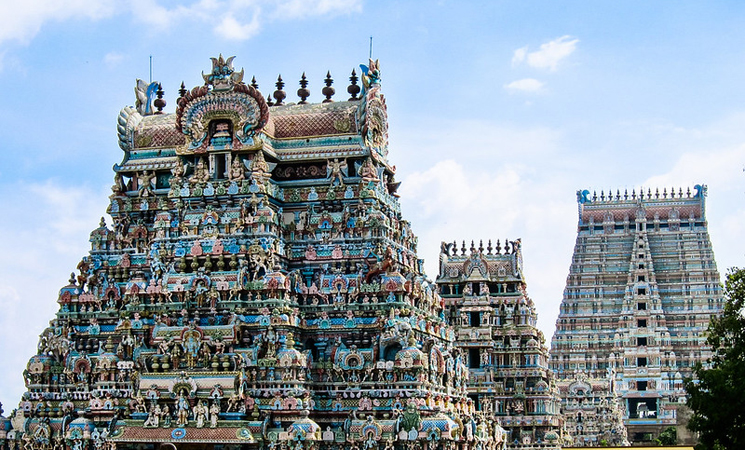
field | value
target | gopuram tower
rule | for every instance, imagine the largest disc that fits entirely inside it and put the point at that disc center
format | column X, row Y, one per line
column 641, row 289
column 259, row 289
column 486, row 300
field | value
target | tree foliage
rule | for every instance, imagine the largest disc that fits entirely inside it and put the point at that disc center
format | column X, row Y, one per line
column 669, row 436
column 717, row 393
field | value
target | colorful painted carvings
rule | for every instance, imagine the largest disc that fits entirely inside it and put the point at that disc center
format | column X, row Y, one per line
column 258, row 288
column 486, row 299
column 641, row 289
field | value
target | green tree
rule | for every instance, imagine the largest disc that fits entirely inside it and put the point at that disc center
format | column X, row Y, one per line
column 669, row 436
column 716, row 395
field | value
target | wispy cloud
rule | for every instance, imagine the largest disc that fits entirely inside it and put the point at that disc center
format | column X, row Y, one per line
column 241, row 19
column 548, row 55
column 300, row 9
column 525, row 85
column 112, row 59
column 232, row 29
column 21, row 21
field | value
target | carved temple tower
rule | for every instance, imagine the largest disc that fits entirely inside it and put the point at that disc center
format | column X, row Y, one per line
column 485, row 294
column 641, row 289
column 259, row 289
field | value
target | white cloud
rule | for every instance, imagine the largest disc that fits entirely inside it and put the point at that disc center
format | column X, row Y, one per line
column 112, row 59
column 525, row 85
column 230, row 28
column 519, row 56
column 297, row 9
column 548, row 55
column 21, row 21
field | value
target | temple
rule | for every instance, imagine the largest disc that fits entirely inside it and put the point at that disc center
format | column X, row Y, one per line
column 641, row 289
column 486, row 299
column 260, row 288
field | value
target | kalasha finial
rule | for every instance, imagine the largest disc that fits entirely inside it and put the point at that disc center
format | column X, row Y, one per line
column 182, row 90
column 269, row 100
column 279, row 94
column 328, row 91
column 159, row 102
column 254, row 84
column 353, row 89
column 303, row 92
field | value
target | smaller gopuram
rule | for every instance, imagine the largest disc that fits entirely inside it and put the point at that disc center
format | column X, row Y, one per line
column 592, row 411
column 484, row 291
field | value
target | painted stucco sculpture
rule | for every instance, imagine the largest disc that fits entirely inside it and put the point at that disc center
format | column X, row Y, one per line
column 641, row 289
column 259, row 288
column 486, row 299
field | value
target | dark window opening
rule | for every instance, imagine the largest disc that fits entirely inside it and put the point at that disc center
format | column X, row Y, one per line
column 222, row 166
column 641, row 278
column 641, row 385
column 641, row 362
column 473, row 358
column 641, row 265
column 641, row 323
column 475, row 319
column 641, row 342
column 310, row 344
column 641, row 306
column 390, row 352
column 641, row 291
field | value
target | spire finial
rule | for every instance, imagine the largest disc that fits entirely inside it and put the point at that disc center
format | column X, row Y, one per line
column 279, row 94
column 182, row 90
column 159, row 102
column 353, row 89
column 303, row 92
column 328, row 91
column 254, row 84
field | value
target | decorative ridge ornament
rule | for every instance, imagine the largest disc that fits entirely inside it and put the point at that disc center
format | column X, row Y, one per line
column 223, row 77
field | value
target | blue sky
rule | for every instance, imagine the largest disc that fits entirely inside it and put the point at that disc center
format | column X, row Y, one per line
column 499, row 112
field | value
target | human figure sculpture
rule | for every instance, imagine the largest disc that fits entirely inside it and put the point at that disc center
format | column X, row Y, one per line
column 236, row 172
column 214, row 414
column 335, row 169
column 146, row 184
column 182, row 417
column 200, row 414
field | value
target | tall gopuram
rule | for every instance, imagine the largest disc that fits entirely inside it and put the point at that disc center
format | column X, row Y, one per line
column 641, row 289
column 485, row 295
column 259, row 289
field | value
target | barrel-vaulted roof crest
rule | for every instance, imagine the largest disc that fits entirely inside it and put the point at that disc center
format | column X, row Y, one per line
column 240, row 107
